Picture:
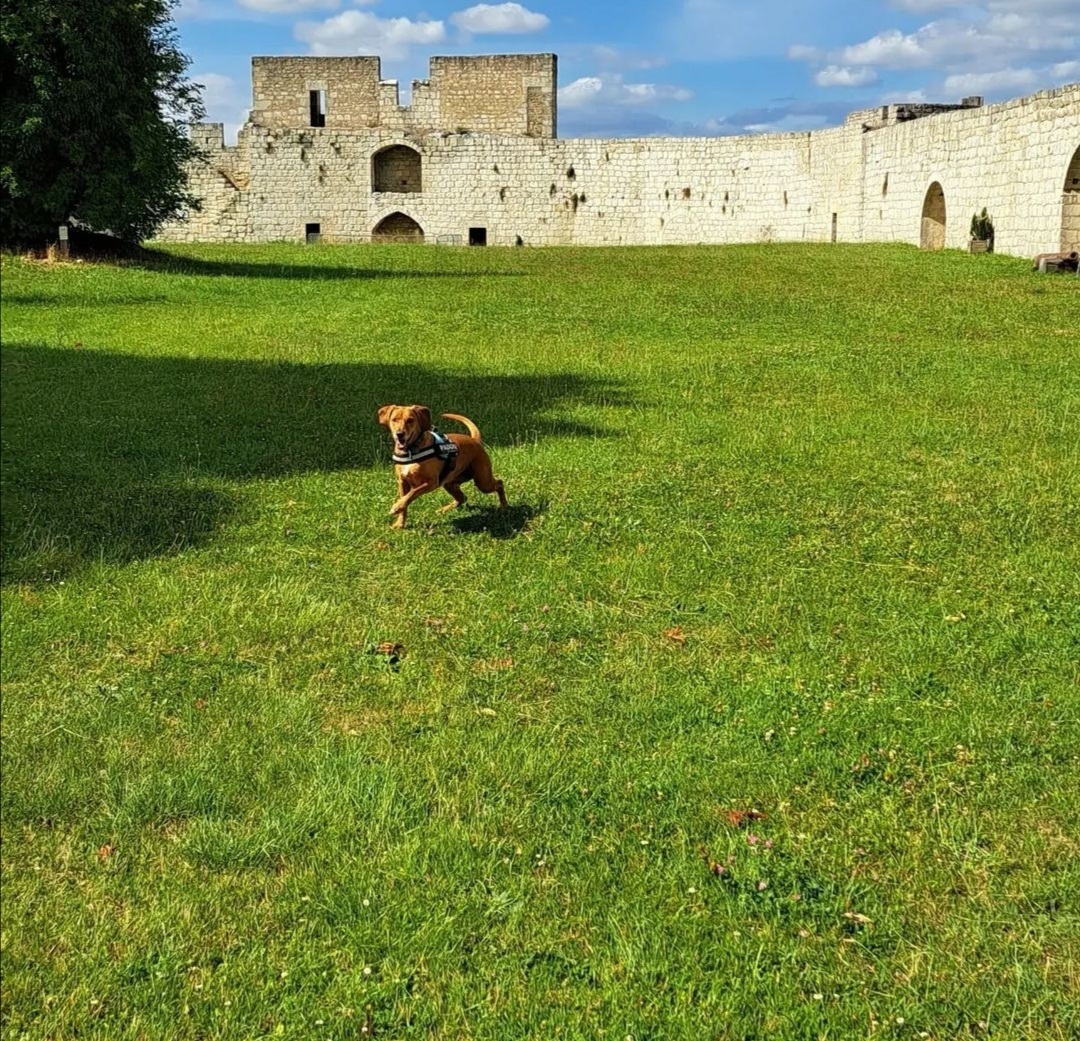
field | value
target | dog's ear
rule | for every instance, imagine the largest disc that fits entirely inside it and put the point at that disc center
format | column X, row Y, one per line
column 384, row 415
column 423, row 416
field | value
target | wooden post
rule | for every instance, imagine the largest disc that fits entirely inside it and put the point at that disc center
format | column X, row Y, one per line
column 63, row 246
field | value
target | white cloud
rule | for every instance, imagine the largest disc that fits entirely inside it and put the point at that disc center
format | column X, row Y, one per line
column 910, row 97
column 977, row 46
column 580, row 92
column 992, row 34
column 643, row 93
column 789, row 124
column 800, row 52
column 217, row 89
column 291, row 6
column 844, row 76
column 611, row 90
column 989, row 82
column 225, row 100
column 898, row 50
column 501, row 19
column 359, row 32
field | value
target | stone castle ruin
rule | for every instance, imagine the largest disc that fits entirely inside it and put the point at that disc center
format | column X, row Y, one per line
column 329, row 153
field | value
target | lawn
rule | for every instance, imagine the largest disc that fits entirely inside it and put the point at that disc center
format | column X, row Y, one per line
column 756, row 714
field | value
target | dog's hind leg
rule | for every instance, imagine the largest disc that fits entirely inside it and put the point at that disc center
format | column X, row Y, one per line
column 454, row 490
column 486, row 481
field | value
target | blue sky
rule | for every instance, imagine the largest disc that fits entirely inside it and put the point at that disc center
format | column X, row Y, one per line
column 636, row 68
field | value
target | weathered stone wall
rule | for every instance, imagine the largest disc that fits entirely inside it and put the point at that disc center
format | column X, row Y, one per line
column 280, row 91
column 491, row 94
column 505, row 94
column 1011, row 158
column 845, row 184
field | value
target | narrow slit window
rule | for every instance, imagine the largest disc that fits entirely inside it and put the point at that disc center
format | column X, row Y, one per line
column 317, row 103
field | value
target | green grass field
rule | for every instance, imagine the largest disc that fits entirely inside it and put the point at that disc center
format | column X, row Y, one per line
column 793, row 529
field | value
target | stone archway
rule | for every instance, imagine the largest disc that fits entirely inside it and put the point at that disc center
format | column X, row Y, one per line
column 1070, row 207
column 932, row 235
column 396, row 169
column 397, row 227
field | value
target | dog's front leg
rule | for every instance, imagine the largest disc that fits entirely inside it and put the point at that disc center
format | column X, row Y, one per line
column 400, row 508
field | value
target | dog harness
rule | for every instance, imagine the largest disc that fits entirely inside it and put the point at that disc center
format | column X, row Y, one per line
column 443, row 448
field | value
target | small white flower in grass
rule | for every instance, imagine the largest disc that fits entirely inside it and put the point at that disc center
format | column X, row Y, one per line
column 819, row 997
column 762, row 885
column 900, row 1020
column 367, row 903
column 691, row 890
column 367, row 970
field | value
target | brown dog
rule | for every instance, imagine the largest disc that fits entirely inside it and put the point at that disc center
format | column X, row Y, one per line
column 424, row 463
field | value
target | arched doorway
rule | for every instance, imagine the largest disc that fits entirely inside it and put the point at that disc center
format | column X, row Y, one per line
column 1070, row 207
column 932, row 235
column 396, row 169
column 397, row 227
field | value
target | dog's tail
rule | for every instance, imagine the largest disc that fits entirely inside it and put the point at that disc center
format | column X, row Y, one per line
column 472, row 428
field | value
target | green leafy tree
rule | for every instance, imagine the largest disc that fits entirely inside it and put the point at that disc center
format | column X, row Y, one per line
column 92, row 128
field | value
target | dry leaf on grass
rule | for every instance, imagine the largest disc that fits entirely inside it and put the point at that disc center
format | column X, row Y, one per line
column 391, row 651
column 858, row 919
column 675, row 634
column 740, row 818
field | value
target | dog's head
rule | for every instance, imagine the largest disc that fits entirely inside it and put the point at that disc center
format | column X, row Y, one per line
column 407, row 423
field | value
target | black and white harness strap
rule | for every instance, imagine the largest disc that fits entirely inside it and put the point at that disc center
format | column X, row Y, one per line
column 443, row 448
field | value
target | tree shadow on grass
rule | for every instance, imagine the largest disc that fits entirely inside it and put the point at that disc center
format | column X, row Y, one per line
column 330, row 263
column 117, row 457
column 182, row 265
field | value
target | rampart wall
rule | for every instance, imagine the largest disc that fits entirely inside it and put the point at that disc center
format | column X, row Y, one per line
column 855, row 183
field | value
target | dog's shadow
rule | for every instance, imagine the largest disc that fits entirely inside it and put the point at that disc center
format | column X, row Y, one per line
column 497, row 524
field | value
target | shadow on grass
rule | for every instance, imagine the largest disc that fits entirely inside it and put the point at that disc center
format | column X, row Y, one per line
column 499, row 524
column 117, row 458
column 105, row 248
column 181, row 265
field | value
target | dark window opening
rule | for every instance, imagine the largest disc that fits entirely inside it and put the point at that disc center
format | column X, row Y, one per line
column 317, row 104
column 312, row 233
column 477, row 236
column 834, row 216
